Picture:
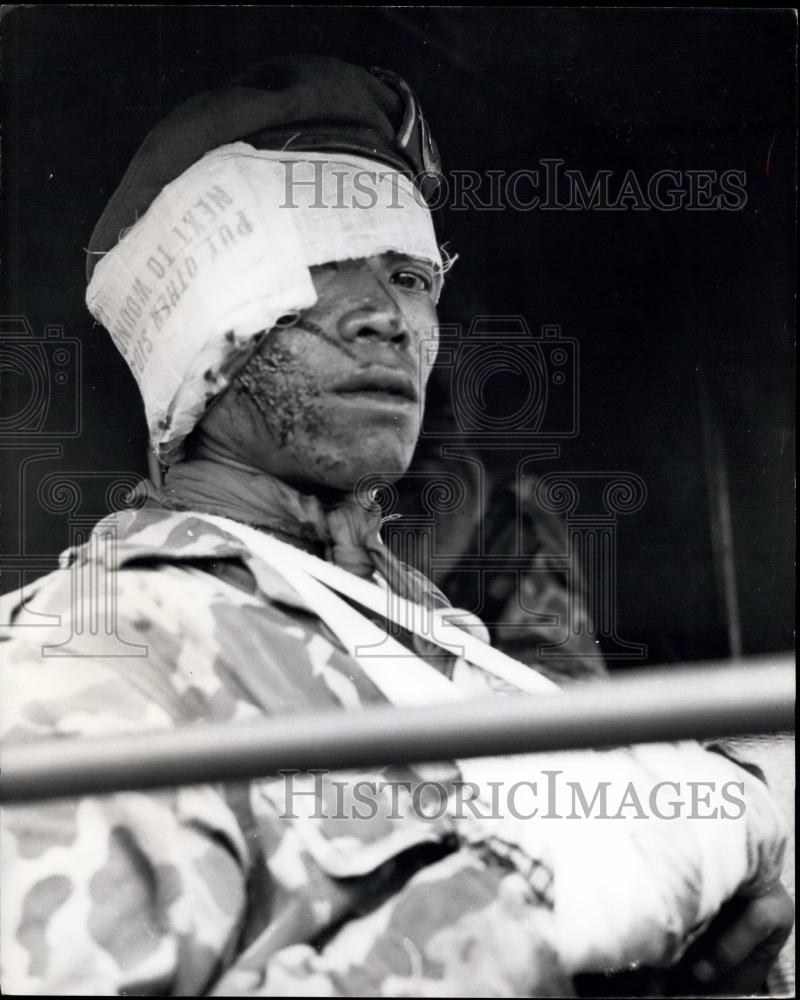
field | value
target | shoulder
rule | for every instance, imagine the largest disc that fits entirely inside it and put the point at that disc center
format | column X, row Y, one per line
column 129, row 633
column 146, row 557
column 169, row 620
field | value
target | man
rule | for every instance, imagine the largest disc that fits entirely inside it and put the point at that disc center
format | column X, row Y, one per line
column 274, row 314
column 503, row 519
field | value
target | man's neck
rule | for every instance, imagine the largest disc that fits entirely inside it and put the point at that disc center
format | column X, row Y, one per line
column 238, row 491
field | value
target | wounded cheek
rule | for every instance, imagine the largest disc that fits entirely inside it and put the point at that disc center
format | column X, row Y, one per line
column 284, row 394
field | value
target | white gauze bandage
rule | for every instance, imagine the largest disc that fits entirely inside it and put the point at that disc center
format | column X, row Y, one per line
column 224, row 251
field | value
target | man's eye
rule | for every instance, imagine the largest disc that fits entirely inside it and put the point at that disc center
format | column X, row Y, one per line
column 412, row 281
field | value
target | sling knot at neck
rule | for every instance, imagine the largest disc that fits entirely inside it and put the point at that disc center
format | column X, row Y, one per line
column 346, row 533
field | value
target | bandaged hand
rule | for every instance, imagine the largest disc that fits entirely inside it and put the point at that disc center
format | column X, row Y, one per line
column 633, row 887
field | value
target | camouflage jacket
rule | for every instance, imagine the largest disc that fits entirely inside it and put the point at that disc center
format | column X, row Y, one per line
column 161, row 620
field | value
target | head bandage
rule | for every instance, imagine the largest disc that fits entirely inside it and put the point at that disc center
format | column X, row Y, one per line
column 225, row 250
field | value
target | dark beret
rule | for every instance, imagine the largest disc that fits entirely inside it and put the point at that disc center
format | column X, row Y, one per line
column 305, row 103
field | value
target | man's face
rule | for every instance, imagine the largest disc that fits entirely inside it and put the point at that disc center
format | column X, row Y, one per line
column 339, row 393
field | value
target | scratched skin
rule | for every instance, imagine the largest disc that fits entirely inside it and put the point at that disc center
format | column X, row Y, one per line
column 214, row 888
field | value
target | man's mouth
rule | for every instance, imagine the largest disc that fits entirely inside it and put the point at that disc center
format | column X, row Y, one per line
column 383, row 383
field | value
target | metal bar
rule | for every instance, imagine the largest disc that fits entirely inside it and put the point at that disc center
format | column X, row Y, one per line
column 720, row 514
column 663, row 704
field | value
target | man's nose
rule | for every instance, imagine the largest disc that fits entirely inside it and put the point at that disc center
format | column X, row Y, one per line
column 379, row 320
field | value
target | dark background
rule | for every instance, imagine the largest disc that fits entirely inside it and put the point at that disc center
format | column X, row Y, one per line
column 665, row 306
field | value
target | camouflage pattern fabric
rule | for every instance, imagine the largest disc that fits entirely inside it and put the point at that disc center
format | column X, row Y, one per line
column 234, row 888
column 499, row 524
column 515, row 521
column 272, row 887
